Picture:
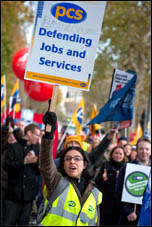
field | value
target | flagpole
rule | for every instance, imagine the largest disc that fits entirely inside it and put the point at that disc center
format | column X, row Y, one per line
column 5, row 96
column 9, row 105
column 64, row 135
column 14, row 112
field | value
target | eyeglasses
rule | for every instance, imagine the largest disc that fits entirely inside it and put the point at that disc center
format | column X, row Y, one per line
column 75, row 158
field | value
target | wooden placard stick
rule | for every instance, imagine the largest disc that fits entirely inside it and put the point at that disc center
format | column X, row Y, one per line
column 113, row 138
column 53, row 104
column 114, row 135
column 135, row 208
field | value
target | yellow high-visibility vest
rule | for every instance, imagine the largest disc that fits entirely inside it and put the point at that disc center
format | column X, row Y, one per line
column 67, row 210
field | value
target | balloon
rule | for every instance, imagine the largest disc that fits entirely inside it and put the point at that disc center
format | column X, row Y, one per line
column 19, row 62
column 38, row 91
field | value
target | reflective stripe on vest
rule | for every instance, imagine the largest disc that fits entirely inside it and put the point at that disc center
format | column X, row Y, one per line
column 66, row 210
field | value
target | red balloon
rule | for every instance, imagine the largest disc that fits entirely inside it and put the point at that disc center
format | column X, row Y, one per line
column 19, row 62
column 38, row 91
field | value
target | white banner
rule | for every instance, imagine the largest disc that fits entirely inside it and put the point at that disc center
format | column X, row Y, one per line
column 136, row 178
column 64, row 42
column 119, row 80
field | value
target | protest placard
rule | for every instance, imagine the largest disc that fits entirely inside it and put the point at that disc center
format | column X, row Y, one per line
column 135, row 181
column 119, row 80
column 64, row 42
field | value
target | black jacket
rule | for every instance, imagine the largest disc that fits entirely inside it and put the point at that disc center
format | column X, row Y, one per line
column 96, row 154
column 4, row 148
column 22, row 179
column 108, row 187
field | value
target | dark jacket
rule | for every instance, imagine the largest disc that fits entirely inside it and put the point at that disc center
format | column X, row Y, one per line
column 126, row 208
column 96, row 154
column 109, row 212
column 22, row 179
column 4, row 148
column 108, row 187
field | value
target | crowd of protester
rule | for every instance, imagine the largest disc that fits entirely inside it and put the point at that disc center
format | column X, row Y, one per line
column 84, row 170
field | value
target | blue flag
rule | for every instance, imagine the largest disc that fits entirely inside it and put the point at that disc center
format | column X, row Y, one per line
column 120, row 106
column 145, row 213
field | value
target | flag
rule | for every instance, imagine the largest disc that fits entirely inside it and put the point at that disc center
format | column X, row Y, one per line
column 145, row 213
column 3, row 91
column 120, row 105
column 139, row 134
column 14, row 98
column 94, row 127
column 78, row 116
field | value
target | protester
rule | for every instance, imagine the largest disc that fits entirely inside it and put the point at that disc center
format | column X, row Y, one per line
column 133, row 154
column 128, row 216
column 7, row 137
column 20, row 124
column 108, row 151
column 106, row 181
column 122, row 141
column 128, row 150
column 95, row 142
column 78, row 203
column 21, row 164
column 73, row 141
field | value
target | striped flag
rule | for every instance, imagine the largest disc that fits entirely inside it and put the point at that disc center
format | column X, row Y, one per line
column 14, row 98
column 94, row 127
column 3, row 91
column 77, row 117
column 3, row 94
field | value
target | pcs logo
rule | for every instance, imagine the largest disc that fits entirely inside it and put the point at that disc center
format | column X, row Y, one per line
column 68, row 12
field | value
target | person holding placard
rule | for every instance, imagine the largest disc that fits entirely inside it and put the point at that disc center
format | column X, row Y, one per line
column 129, row 211
column 70, row 206
column 78, row 203
column 106, row 181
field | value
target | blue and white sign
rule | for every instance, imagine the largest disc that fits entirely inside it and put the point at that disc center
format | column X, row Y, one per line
column 64, row 42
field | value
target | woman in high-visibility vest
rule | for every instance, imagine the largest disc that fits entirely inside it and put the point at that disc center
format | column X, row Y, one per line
column 78, row 203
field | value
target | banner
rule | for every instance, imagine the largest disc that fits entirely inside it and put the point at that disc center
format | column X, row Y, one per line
column 77, row 117
column 119, row 80
column 120, row 106
column 64, row 42
column 135, row 182
column 36, row 118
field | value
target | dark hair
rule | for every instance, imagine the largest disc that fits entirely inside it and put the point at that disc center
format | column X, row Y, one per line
column 118, row 146
column 87, row 172
column 31, row 127
column 142, row 139
column 122, row 138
